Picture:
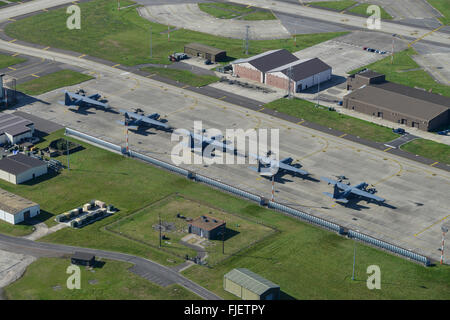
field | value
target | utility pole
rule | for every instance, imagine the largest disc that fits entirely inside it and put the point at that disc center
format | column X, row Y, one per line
column 392, row 54
column 159, row 216
column 354, row 259
column 246, row 39
column 223, row 239
column 289, row 75
column 273, row 188
column 444, row 231
column 67, row 147
column 318, row 91
column 151, row 49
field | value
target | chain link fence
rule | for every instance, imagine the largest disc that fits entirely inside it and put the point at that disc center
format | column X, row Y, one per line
column 260, row 200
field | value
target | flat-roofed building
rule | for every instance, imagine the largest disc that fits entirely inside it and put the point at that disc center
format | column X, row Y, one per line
column 14, row 129
column 20, row 168
column 15, row 209
column 400, row 104
column 248, row 285
column 207, row 52
column 207, row 227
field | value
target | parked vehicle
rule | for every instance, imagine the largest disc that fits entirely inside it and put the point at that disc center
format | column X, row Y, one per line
column 399, row 131
column 208, row 62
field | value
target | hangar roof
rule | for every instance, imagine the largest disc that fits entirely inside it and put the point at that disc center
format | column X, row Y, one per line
column 303, row 69
column 19, row 163
column 269, row 60
column 250, row 280
column 12, row 203
column 416, row 103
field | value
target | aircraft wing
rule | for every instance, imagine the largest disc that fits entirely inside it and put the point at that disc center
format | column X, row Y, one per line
column 94, row 102
column 329, row 181
column 366, row 194
column 95, row 96
column 154, row 122
column 291, row 168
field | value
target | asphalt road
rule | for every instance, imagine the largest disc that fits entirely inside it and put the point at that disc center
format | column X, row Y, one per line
column 146, row 268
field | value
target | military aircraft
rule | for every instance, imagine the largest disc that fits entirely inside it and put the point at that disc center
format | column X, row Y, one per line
column 79, row 99
column 201, row 140
column 269, row 167
column 134, row 120
column 360, row 190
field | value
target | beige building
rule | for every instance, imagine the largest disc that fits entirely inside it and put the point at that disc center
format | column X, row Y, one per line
column 20, row 168
column 15, row 209
column 248, row 285
column 14, row 129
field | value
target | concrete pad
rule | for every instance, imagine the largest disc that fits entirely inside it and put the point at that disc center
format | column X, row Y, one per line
column 411, row 217
column 189, row 16
column 12, row 266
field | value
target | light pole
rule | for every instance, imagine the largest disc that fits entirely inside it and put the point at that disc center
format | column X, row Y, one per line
column 444, row 231
column 151, row 53
column 67, row 147
column 354, row 259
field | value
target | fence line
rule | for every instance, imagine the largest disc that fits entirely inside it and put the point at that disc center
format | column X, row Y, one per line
column 261, row 200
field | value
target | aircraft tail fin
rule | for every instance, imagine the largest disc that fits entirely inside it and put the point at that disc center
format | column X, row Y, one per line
column 336, row 193
column 67, row 100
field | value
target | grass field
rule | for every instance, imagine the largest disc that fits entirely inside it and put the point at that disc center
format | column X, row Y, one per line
column 362, row 10
column 183, row 76
column 224, row 10
column 430, row 149
column 45, row 279
column 52, row 81
column 240, row 233
column 259, row 15
column 307, row 110
column 123, row 36
column 307, row 262
column 444, row 8
column 7, row 60
column 398, row 72
column 335, row 5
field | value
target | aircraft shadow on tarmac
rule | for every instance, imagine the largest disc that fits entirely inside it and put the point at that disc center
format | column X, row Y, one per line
column 354, row 203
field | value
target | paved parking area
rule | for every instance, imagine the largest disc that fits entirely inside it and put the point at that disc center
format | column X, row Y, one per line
column 346, row 53
column 189, row 16
column 410, row 218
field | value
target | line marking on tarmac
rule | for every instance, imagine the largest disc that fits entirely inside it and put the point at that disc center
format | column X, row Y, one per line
column 35, row 75
column 260, row 109
column 152, row 75
column 426, row 34
column 431, row 226
column 387, row 149
column 300, row 122
column 184, row 87
column 46, row 48
column 83, row 55
column 116, row 65
column 11, row 19
column 13, row 40
column 222, row 98
column 12, row 68
column 435, row 163
column 342, row 135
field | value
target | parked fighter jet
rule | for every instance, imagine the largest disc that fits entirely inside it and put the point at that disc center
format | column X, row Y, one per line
column 79, row 99
column 360, row 190
column 134, row 120
column 268, row 166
